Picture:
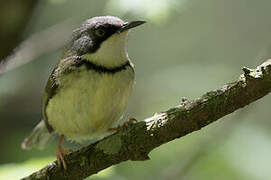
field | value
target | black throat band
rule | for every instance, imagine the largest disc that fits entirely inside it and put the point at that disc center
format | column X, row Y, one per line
column 101, row 68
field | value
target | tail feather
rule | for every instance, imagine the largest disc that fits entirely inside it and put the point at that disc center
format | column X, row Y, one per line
column 38, row 138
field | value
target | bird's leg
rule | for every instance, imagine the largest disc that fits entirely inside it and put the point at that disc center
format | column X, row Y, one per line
column 124, row 125
column 60, row 153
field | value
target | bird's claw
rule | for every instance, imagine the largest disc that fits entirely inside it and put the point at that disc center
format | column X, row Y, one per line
column 125, row 125
column 60, row 155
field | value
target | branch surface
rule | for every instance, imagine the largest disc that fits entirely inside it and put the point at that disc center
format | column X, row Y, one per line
column 135, row 142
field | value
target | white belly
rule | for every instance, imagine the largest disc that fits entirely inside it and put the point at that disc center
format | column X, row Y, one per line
column 88, row 103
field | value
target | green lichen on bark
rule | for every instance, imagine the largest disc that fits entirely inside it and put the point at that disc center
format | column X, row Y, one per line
column 111, row 145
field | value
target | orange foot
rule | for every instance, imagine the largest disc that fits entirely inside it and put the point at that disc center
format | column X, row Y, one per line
column 125, row 125
column 60, row 153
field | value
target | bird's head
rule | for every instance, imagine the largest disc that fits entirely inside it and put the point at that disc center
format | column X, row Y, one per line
column 102, row 40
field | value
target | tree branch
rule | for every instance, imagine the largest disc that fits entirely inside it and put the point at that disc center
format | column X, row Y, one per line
column 135, row 142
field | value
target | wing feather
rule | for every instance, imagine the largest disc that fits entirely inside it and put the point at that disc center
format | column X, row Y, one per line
column 64, row 66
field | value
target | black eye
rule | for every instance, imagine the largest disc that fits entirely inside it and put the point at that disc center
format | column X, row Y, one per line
column 100, row 32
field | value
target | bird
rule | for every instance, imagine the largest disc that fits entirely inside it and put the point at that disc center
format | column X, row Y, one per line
column 89, row 88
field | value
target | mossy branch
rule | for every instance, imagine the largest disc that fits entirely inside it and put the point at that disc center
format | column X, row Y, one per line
column 135, row 142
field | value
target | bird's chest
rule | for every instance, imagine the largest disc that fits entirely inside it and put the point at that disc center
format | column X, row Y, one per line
column 89, row 102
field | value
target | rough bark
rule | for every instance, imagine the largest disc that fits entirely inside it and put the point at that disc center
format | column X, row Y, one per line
column 135, row 142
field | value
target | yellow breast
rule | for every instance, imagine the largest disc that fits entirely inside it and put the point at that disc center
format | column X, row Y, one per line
column 88, row 103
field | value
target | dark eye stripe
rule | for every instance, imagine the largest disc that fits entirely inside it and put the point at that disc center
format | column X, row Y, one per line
column 95, row 38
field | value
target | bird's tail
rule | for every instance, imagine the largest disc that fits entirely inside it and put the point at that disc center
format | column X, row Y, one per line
column 38, row 138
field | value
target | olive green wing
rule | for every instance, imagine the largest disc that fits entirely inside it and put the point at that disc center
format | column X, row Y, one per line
column 50, row 90
column 64, row 66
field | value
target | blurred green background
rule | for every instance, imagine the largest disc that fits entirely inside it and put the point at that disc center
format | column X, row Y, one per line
column 188, row 47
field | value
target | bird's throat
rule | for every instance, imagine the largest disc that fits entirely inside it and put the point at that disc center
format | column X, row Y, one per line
column 111, row 53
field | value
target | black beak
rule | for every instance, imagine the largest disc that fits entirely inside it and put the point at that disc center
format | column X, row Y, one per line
column 128, row 25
